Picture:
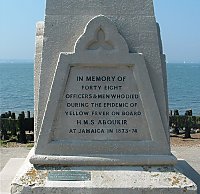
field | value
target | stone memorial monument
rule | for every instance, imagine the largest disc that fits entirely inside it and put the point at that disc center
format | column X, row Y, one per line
column 101, row 112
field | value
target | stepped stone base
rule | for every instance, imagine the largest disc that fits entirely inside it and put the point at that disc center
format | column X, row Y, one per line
column 109, row 180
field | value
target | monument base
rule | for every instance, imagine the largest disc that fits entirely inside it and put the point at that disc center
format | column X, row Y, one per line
column 97, row 180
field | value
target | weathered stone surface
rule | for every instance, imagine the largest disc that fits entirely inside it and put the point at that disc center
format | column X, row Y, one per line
column 113, row 7
column 37, row 69
column 110, row 180
column 65, row 22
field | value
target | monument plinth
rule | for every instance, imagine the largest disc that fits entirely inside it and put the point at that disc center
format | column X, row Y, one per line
column 101, row 122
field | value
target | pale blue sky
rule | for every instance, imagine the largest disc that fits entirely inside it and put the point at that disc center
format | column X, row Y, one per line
column 179, row 21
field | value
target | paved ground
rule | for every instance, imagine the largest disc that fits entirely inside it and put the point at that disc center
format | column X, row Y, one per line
column 7, row 153
column 190, row 154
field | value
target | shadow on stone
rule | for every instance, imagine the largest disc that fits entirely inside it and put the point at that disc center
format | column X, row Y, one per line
column 188, row 171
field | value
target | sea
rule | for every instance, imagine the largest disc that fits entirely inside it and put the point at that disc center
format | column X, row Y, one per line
column 16, row 87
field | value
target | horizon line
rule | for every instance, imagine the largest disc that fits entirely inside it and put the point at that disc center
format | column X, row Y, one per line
column 32, row 60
